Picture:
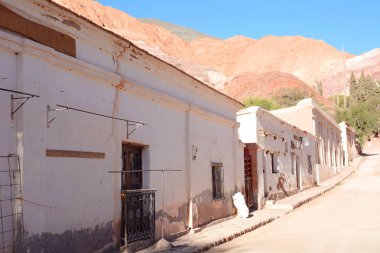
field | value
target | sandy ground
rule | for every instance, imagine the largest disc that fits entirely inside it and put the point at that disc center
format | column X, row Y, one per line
column 346, row 219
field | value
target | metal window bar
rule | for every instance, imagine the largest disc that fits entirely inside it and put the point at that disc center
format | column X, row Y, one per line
column 10, row 215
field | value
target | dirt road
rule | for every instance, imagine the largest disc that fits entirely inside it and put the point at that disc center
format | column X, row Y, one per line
column 346, row 219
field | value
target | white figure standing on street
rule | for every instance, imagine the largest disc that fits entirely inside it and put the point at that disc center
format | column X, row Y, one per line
column 241, row 206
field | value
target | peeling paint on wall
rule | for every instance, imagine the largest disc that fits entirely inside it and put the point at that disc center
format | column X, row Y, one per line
column 209, row 209
column 172, row 224
column 71, row 23
column 205, row 210
column 277, row 195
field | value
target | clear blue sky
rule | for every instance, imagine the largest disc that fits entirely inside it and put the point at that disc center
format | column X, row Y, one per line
column 350, row 25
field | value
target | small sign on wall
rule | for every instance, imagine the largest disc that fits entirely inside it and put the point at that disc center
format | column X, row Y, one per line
column 305, row 141
column 75, row 154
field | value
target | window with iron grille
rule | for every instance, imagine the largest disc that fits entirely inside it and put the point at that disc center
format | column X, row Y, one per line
column 217, row 180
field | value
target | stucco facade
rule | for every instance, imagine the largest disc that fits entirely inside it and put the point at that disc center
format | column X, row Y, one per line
column 351, row 147
column 72, row 204
column 308, row 116
column 283, row 157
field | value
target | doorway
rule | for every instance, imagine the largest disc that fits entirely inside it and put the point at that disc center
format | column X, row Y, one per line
column 138, row 205
column 132, row 167
column 250, row 175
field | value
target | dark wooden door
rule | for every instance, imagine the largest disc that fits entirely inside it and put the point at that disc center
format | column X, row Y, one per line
column 248, row 177
column 132, row 178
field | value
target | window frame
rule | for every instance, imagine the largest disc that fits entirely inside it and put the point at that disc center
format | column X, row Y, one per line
column 132, row 165
column 217, row 170
column 275, row 161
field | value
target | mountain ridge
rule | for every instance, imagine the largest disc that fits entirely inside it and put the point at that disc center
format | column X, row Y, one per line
column 186, row 33
column 218, row 61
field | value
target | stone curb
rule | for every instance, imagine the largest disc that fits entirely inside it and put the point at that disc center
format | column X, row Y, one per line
column 210, row 245
column 236, row 235
column 207, row 246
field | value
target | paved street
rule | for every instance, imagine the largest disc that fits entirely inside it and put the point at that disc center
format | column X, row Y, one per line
column 346, row 219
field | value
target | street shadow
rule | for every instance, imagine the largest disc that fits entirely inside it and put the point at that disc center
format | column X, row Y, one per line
column 366, row 154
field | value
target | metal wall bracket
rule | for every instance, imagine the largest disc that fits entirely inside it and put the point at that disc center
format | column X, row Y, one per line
column 134, row 126
column 56, row 115
column 24, row 99
column 131, row 125
column 13, row 98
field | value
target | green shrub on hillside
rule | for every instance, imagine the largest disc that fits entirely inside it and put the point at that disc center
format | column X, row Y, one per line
column 289, row 97
column 266, row 103
column 284, row 98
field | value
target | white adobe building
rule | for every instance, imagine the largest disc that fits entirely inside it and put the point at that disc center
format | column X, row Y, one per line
column 310, row 117
column 279, row 158
column 351, row 148
column 96, row 103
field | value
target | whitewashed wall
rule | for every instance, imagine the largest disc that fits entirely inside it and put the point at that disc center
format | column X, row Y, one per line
column 255, row 122
column 322, row 126
column 9, row 145
column 78, row 196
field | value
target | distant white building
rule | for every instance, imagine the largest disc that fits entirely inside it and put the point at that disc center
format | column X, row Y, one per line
column 104, row 105
column 279, row 158
column 310, row 117
column 351, row 148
